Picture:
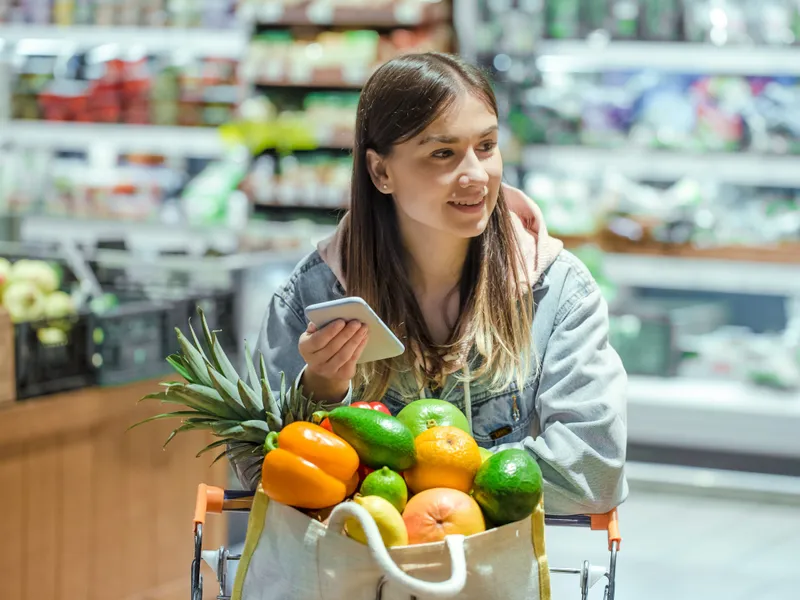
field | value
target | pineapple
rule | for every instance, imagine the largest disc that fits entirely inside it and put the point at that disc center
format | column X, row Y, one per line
column 240, row 413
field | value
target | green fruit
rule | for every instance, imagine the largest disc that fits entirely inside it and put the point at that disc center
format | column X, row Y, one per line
column 421, row 415
column 485, row 454
column 379, row 439
column 508, row 486
column 388, row 485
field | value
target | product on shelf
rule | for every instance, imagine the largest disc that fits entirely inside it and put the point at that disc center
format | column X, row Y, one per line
column 149, row 13
column 719, row 22
column 700, row 113
column 689, row 218
column 332, row 58
column 374, row 13
column 109, row 85
column 316, row 180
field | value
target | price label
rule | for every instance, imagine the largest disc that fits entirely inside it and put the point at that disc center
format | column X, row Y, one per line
column 408, row 12
column 320, row 12
column 270, row 11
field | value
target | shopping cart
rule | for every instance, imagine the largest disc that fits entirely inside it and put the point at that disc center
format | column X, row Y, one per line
column 216, row 500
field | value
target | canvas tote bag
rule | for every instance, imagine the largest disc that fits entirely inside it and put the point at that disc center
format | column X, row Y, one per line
column 289, row 556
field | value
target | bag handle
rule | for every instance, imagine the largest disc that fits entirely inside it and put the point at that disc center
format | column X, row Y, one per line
column 439, row 589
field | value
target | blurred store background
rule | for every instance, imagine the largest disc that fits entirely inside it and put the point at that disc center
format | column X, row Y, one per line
column 160, row 154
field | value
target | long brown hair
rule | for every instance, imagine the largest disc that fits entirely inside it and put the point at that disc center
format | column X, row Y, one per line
column 401, row 99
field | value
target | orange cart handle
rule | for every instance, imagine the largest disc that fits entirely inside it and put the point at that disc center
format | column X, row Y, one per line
column 608, row 522
column 209, row 499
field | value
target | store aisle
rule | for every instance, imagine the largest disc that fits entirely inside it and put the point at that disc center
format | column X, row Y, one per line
column 681, row 547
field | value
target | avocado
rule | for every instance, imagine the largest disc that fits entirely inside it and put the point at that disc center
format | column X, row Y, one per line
column 508, row 486
column 380, row 440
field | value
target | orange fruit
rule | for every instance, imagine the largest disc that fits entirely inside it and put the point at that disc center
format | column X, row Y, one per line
column 438, row 512
column 447, row 457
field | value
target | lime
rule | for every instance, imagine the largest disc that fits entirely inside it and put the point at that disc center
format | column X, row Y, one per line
column 485, row 454
column 388, row 485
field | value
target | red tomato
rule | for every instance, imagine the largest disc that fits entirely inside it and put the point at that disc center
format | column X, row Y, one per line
column 326, row 424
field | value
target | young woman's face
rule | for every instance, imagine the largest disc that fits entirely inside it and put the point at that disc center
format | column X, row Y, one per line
column 448, row 177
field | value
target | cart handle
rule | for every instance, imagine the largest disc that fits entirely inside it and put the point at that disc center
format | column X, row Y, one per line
column 608, row 522
column 212, row 499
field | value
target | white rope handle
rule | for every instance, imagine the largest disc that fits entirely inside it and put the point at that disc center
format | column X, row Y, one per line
column 439, row 589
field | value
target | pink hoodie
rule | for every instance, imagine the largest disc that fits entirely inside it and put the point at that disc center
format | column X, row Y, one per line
column 538, row 248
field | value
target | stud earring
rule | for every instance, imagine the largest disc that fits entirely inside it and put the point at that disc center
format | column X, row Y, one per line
column 384, row 186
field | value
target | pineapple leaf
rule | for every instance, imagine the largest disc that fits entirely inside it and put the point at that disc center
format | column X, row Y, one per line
column 229, row 393
column 283, row 386
column 224, row 365
column 274, row 422
column 219, row 457
column 171, row 415
column 252, row 378
column 244, row 450
column 204, row 391
column 266, row 393
column 250, row 401
column 210, row 447
column 206, row 330
column 194, row 360
column 182, row 428
column 197, row 343
column 258, row 426
column 203, row 404
column 177, row 363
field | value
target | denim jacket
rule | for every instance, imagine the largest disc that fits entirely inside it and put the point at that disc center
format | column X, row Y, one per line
column 571, row 412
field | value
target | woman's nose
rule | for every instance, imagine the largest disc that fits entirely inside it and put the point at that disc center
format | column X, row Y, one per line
column 473, row 172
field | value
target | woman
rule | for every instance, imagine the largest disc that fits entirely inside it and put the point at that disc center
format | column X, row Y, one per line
column 496, row 317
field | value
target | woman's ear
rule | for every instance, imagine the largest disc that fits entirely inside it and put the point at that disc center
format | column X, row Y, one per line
column 377, row 172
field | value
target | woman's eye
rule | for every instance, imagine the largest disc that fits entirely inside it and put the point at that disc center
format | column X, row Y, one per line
column 444, row 153
column 488, row 146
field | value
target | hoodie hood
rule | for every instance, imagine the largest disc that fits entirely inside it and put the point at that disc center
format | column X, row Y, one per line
column 537, row 248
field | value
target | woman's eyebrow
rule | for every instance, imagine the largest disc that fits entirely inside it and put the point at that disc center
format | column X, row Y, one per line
column 450, row 139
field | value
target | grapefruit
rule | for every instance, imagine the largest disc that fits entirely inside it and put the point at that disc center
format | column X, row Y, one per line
column 421, row 415
column 433, row 514
column 446, row 457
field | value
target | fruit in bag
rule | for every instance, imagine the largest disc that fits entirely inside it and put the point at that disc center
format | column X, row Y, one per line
column 446, row 457
column 433, row 514
column 508, row 486
column 308, row 467
column 386, row 484
column 387, row 518
column 421, row 415
column 379, row 439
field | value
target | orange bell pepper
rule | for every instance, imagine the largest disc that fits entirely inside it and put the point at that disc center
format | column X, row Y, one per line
column 307, row 466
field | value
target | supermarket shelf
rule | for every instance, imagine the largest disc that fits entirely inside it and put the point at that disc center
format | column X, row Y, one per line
column 652, row 165
column 184, row 141
column 710, row 275
column 224, row 43
column 323, row 12
column 713, row 415
column 575, row 56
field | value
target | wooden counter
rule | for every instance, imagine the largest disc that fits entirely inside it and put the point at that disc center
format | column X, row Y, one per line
column 90, row 511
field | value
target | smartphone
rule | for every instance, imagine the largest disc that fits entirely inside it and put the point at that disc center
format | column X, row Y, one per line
column 382, row 342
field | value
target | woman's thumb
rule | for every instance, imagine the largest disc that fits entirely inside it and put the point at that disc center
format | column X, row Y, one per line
column 311, row 328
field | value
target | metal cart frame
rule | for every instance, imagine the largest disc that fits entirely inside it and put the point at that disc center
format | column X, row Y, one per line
column 216, row 500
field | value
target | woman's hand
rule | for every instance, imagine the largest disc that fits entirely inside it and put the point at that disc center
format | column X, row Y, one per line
column 331, row 354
